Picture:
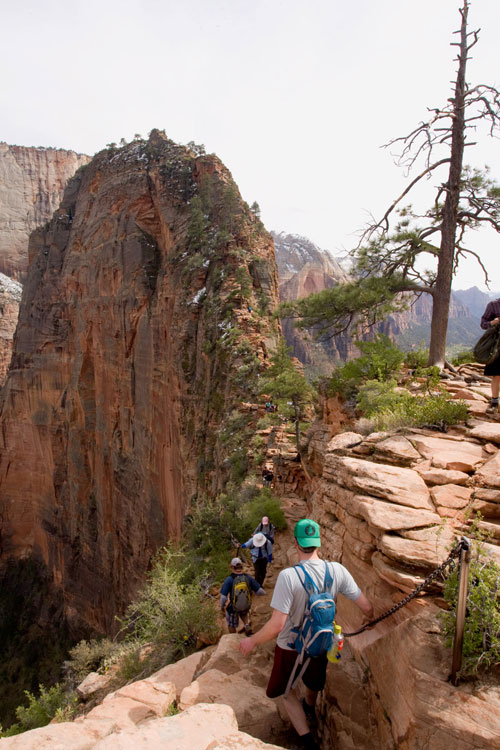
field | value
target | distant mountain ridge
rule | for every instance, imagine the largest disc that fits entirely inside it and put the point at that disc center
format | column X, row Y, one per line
column 304, row 268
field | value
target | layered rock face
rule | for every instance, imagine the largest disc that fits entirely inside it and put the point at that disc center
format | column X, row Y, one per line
column 32, row 182
column 137, row 336
column 10, row 298
column 390, row 507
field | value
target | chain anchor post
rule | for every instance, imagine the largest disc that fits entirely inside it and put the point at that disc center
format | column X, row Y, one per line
column 463, row 584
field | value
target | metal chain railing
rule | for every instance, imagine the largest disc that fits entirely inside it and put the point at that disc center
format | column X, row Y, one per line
column 449, row 562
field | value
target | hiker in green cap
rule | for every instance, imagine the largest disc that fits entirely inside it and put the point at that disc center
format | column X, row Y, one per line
column 290, row 601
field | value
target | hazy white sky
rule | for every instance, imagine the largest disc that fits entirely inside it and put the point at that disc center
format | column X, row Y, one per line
column 295, row 96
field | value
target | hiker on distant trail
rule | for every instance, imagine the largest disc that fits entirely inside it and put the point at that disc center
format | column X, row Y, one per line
column 289, row 603
column 236, row 596
column 267, row 476
column 262, row 554
column 491, row 317
column 267, row 528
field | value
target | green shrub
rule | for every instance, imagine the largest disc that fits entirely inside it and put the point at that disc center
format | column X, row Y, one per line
column 416, row 358
column 481, row 644
column 263, row 504
column 400, row 410
column 431, row 376
column 379, row 361
column 268, row 420
column 42, row 709
column 375, row 396
column 168, row 612
column 463, row 358
column 90, row 656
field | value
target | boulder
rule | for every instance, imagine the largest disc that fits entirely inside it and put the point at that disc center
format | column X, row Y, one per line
column 91, row 684
column 157, row 696
column 458, row 455
column 387, row 516
column 486, row 431
column 489, row 474
column 428, row 551
column 127, row 712
column 195, row 729
column 397, row 449
column 396, row 484
column 449, row 498
column 403, row 579
column 255, row 712
column 228, row 659
column 181, row 674
column 343, row 440
column 441, row 476
column 65, row 736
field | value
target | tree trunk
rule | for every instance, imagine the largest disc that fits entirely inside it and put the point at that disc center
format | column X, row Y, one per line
column 442, row 289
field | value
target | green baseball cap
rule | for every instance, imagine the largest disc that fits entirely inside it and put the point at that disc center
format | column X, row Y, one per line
column 306, row 532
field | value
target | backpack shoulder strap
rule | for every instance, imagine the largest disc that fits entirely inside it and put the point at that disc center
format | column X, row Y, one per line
column 308, row 582
column 327, row 585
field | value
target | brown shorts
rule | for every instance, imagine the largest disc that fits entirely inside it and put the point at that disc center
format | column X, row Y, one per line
column 284, row 661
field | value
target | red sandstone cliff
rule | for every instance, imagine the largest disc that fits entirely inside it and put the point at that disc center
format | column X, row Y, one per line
column 137, row 336
column 32, row 182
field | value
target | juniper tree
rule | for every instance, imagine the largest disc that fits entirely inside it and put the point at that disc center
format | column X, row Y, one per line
column 389, row 258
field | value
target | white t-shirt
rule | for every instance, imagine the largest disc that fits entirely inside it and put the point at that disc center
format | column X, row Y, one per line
column 290, row 596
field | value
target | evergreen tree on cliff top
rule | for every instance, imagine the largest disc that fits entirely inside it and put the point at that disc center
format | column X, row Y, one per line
column 391, row 255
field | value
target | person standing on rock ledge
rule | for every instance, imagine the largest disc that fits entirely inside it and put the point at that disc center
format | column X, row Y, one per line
column 491, row 317
column 238, row 588
column 289, row 604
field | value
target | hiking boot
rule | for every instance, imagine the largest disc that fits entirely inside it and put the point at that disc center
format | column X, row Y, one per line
column 492, row 409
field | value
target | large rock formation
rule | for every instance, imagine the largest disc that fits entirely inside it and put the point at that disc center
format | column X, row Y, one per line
column 10, row 297
column 391, row 507
column 137, row 336
column 32, row 182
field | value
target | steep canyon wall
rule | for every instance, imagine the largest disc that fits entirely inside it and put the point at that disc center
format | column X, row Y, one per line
column 137, row 336
column 32, row 182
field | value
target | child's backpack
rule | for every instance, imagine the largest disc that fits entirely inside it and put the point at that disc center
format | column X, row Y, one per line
column 241, row 596
column 315, row 634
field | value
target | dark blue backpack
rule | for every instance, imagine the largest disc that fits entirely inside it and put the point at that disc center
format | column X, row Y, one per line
column 314, row 636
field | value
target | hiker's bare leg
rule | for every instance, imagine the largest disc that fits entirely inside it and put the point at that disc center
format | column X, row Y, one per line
column 495, row 386
column 294, row 709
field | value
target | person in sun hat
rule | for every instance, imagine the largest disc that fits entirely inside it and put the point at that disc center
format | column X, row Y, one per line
column 262, row 554
column 288, row 604
column 236, row 596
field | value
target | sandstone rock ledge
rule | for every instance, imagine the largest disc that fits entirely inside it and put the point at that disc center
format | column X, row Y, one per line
column 390, row 507
column 218, row 697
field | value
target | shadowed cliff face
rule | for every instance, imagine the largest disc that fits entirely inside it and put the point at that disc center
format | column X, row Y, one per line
column 137, row 336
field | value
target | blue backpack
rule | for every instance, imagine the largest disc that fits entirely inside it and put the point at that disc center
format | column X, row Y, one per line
column 314, row 636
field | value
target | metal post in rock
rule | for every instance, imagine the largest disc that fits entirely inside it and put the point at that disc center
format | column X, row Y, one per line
column 463, row 583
